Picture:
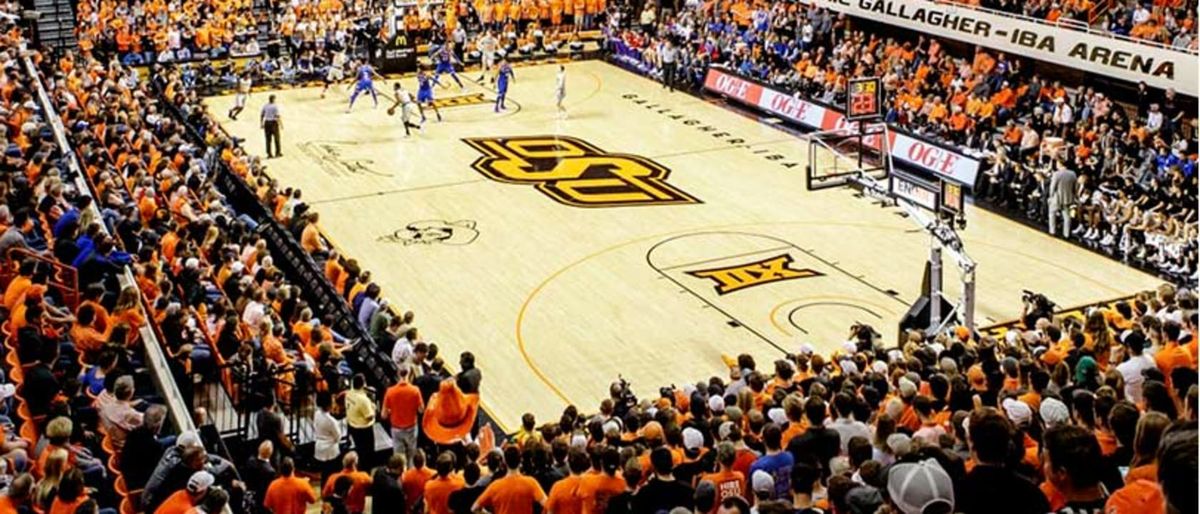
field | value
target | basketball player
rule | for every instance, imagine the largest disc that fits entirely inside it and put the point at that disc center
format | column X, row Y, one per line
column 503, row 75
column 366, row 83
column 560, row 90
column 403, row 102
column 337, row 70
column 445, row 60
column 487, row 46
column 425, row 83
column 239, row 99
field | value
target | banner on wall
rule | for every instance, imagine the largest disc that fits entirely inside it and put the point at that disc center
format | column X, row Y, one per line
column 935, row 158
column 1102, row 54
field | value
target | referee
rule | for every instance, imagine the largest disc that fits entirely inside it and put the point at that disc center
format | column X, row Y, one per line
column 271, row 123
column 670, row 56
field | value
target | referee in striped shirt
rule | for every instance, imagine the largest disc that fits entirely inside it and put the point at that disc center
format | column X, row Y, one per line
column 271, row 124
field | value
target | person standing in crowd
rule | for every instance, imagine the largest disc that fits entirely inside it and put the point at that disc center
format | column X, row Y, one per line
column 662, row 492
column 356, row 497
column 1073, row 465
column 258, row 473
column 670, row 59
column 992, row 486
column 360, row 418
column 1062, row 198
column 776, row 462
column 328, row 434
column 289, row 494
column 439, row 488
column 271, row 122
column 386, row 491
column 516, row 493
column 402, row 404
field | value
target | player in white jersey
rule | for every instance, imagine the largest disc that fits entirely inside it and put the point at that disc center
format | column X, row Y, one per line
column 403, row 101
column 239, row 99
column 487, row 46
column 560, row 90
column 337, row 70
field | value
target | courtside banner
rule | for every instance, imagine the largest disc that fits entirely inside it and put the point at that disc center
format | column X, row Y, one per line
column 1119, row 58
column 919, row 153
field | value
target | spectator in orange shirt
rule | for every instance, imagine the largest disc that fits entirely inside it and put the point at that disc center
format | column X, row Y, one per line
column 17, row 497
column 439, row 488
column 515, row 493
column 356, row 499
column 564, row 495
column 310, row 238
column 402, row 404
column 289, row 494
column 414, row 478
column 88, row 340
column 1172, row 355
column 596, row 489
column 183, row 500
column 728, row 483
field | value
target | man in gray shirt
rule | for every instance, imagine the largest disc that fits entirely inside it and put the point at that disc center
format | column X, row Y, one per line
column 271, row 122
column 669, row 56
column 1062, row 197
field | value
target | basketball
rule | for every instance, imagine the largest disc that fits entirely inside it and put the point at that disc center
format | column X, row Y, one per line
column 391, row 111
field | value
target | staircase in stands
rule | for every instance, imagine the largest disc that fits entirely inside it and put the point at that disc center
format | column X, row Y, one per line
column 56, row 25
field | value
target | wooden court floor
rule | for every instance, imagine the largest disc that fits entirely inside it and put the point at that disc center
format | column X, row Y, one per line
column 645, row 235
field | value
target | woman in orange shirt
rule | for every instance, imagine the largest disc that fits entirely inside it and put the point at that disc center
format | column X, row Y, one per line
column 71, row 493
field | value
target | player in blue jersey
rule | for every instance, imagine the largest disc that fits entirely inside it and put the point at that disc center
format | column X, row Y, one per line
column 366, row 83
column 425, row 83
column 445, row 60
column 503, row 76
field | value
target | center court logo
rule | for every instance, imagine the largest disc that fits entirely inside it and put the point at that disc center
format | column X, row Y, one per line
column 735, row 278
column 573, row 172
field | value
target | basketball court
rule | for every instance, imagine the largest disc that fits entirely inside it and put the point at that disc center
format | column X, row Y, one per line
column 647, row 234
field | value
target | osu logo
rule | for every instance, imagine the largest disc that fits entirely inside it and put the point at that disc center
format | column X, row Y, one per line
column 736, row 278
column 574, row 172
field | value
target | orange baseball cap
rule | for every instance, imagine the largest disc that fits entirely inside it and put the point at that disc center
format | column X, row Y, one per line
column 963, row 333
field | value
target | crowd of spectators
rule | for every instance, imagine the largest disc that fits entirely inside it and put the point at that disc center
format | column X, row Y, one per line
column 1066, row 415
column 1170, row 23
column 1136, row 193
column 76, row 394
column 162, row 31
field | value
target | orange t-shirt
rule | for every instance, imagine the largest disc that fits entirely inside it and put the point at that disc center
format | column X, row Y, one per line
column 178, row 503
column 16, row 291
column 513, row 494
column 289, row 495
column 402, row 402
column 595, row 491
column 563, row 497
column 728, row 484
column 437, row 493
column 413, row 482
column 1170, row 357
column 310, row 238
column 62, row 507
column 356, row 499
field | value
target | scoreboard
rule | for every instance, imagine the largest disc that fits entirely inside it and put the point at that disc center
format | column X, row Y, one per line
column 864, row 99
